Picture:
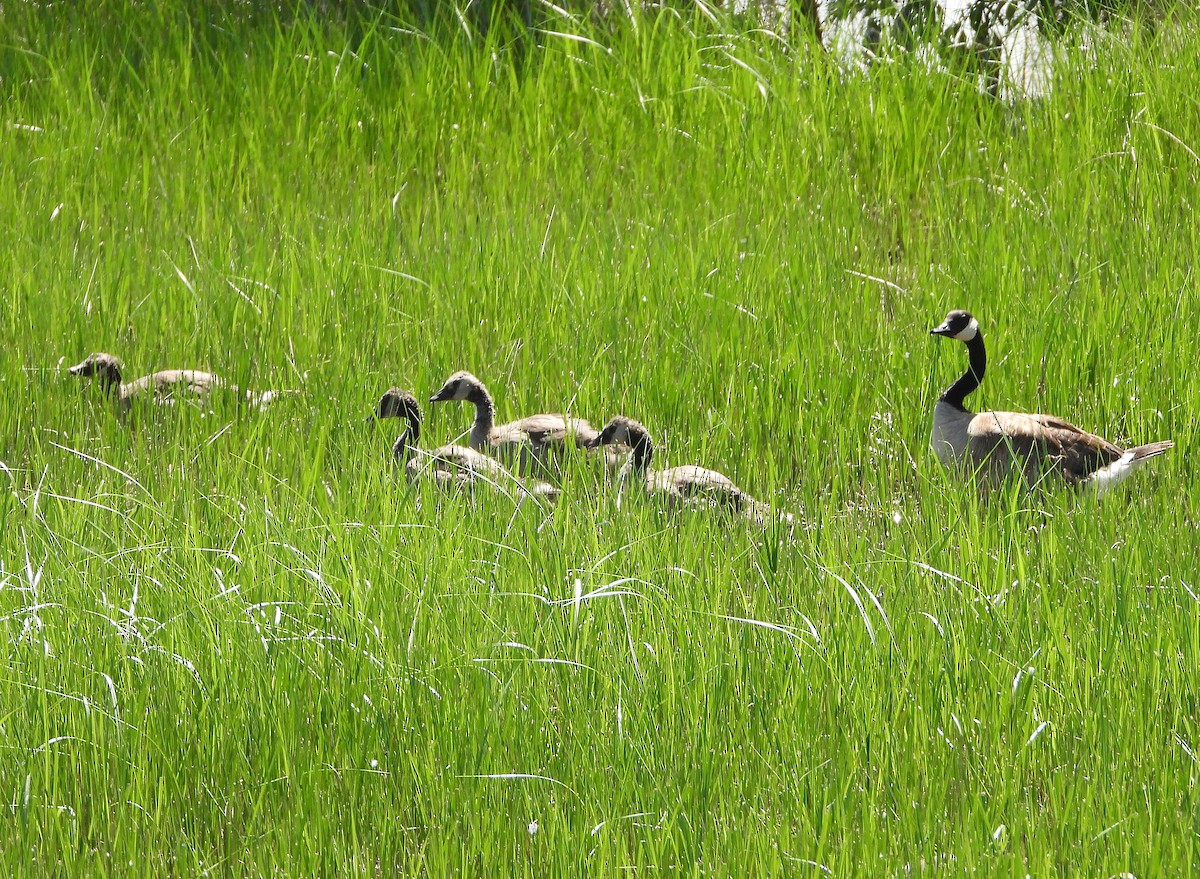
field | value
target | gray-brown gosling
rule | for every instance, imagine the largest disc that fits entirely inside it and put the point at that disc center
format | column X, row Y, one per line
column 163, row 387
column 450, row 466
column 1001, row 443
column 531, row 442
column 687, row 486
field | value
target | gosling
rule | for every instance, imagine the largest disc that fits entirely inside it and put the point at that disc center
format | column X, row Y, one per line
column 536, row 442
column 164, row 387
column 688, row 486
column 451, row 466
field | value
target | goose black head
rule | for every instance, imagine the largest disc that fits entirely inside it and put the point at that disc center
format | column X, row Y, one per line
column 959, row 325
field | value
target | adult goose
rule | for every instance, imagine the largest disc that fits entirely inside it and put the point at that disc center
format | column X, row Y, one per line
column 688, row 486
column 530, row 443
column 163, row 387
column 451, row 466
column 1037, row 446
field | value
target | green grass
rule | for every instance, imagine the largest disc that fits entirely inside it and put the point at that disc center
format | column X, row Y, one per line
column 236, row 644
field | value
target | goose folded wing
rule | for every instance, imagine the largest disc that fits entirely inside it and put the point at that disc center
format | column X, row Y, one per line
column 1050, row 441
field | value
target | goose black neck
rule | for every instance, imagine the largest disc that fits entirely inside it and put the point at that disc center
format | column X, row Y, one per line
column 957, row 393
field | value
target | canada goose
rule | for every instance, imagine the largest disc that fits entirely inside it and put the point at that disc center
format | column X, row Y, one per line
column 448, row 466
column 161, row 387
column 1005, row 442
column 688, row 486
column 533, row 441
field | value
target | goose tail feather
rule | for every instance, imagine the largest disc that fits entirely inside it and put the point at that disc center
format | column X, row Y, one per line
column 1122, row 468
column 1150, row 450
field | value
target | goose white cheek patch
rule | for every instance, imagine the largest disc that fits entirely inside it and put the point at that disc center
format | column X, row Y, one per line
column 969, row 332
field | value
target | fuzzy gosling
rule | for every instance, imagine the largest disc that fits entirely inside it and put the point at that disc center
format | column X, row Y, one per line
column 164, row 387
column 450, row 466
column 533, row 442
column 688, row 486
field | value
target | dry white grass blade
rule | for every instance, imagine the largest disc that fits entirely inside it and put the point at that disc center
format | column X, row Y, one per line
column 935, row 622
column 608, row 590
column 811, row 863
column 179, row 272
column 633, row 816
column 241, row 293
column 629, row 637
column 1042, row 727
column 787, row 631
column 884, row 281
column 412, row 631
column 56, row 739
column 517, row 776
column 577, row 38
column 1191, row 152
column 396, row 272
column 857, row 600
column 104, row 464
column 82, row 700
column 86, row 503
column 1187, row 749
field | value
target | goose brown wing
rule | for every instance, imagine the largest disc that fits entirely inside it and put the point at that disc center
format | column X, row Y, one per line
column 1044, row 440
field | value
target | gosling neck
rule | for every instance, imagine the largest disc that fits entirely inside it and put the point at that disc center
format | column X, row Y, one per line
column 969, row 381
column 109, row 377
column 413, row 434
column 641, row 449
column 485, row 416
column 401, row 449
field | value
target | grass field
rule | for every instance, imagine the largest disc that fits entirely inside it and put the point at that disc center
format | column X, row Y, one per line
column 236, row 644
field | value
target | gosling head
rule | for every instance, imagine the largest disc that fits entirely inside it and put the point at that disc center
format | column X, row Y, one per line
column 959, row 325
column 399, row 403
column 460, row 386
column 619, row 430
column 103, row 366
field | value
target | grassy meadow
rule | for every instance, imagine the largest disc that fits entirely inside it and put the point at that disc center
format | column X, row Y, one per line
column 236, row 644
